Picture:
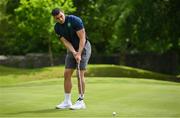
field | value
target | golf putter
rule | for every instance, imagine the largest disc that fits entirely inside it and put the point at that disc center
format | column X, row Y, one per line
column 80, row 79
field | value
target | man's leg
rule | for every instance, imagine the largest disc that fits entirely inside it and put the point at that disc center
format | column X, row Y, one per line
column 81, row 83
column 84, row 61
column 67, row 89
column 67, row 80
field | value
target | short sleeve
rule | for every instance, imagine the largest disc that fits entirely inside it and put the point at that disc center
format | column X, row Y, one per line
column 77, row 23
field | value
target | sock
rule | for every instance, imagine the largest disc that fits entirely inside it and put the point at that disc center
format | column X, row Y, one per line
column 67, row 97
column 81, row 97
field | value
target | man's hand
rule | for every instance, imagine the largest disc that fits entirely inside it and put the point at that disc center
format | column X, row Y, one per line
column 78, row 57
column 74, row 53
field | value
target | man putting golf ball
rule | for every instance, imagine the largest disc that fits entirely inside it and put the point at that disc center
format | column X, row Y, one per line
column 71, row 32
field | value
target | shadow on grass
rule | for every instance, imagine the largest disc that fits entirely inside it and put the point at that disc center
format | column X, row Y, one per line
column 124, row 71
column 42, row 111
column 92, row 71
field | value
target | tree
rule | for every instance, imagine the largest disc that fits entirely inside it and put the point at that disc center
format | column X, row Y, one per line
column 131, row 26
column 5, row 28
column 35, row 24
column 150, row 26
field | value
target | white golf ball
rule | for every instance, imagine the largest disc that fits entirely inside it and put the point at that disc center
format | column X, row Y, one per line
column 114, row 113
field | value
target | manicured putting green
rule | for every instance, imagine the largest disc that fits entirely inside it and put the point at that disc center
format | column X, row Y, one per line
column 126, row 96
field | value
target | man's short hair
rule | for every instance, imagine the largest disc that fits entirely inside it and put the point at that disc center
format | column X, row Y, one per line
column 55, row 11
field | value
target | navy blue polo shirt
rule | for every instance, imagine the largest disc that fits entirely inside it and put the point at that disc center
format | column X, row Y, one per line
column 68, row 30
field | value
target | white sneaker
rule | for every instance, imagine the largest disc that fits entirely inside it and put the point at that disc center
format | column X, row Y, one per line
column 64, row 105
column 78, row 105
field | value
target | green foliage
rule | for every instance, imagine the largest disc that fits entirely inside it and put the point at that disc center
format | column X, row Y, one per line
column 132, row 26
column 149, row 26
column 113, row 26
column 35, row 23
column 32, row 26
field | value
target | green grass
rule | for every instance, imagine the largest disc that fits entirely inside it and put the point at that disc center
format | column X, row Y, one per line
column 130, row 92
column 124, row 71
column 10, row 76
column 126, row 96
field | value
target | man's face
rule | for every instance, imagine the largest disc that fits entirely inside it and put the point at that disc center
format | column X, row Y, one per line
column 60, row 17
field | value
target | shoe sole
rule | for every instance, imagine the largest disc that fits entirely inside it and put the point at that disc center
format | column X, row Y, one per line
column 62, row 108
column 77, row 109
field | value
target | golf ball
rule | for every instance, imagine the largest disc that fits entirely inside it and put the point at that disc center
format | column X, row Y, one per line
column 114, row 113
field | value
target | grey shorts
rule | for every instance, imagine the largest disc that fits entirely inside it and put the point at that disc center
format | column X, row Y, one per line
column 70, row 62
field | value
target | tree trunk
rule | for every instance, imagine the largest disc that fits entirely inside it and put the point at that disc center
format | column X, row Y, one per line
column 122, row 58
column 50, row 53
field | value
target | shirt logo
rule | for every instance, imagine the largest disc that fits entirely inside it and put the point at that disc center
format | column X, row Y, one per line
column 69, row 24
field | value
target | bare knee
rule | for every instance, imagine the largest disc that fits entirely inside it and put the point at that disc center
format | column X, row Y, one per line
column 68, row 74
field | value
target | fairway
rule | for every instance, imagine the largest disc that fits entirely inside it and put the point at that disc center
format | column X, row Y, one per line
column 127, row 97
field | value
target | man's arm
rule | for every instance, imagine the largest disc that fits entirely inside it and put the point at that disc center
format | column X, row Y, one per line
column 82, row 39
column 68, row 45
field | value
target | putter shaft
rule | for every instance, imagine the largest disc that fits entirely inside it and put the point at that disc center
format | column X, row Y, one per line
column 80, row 79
